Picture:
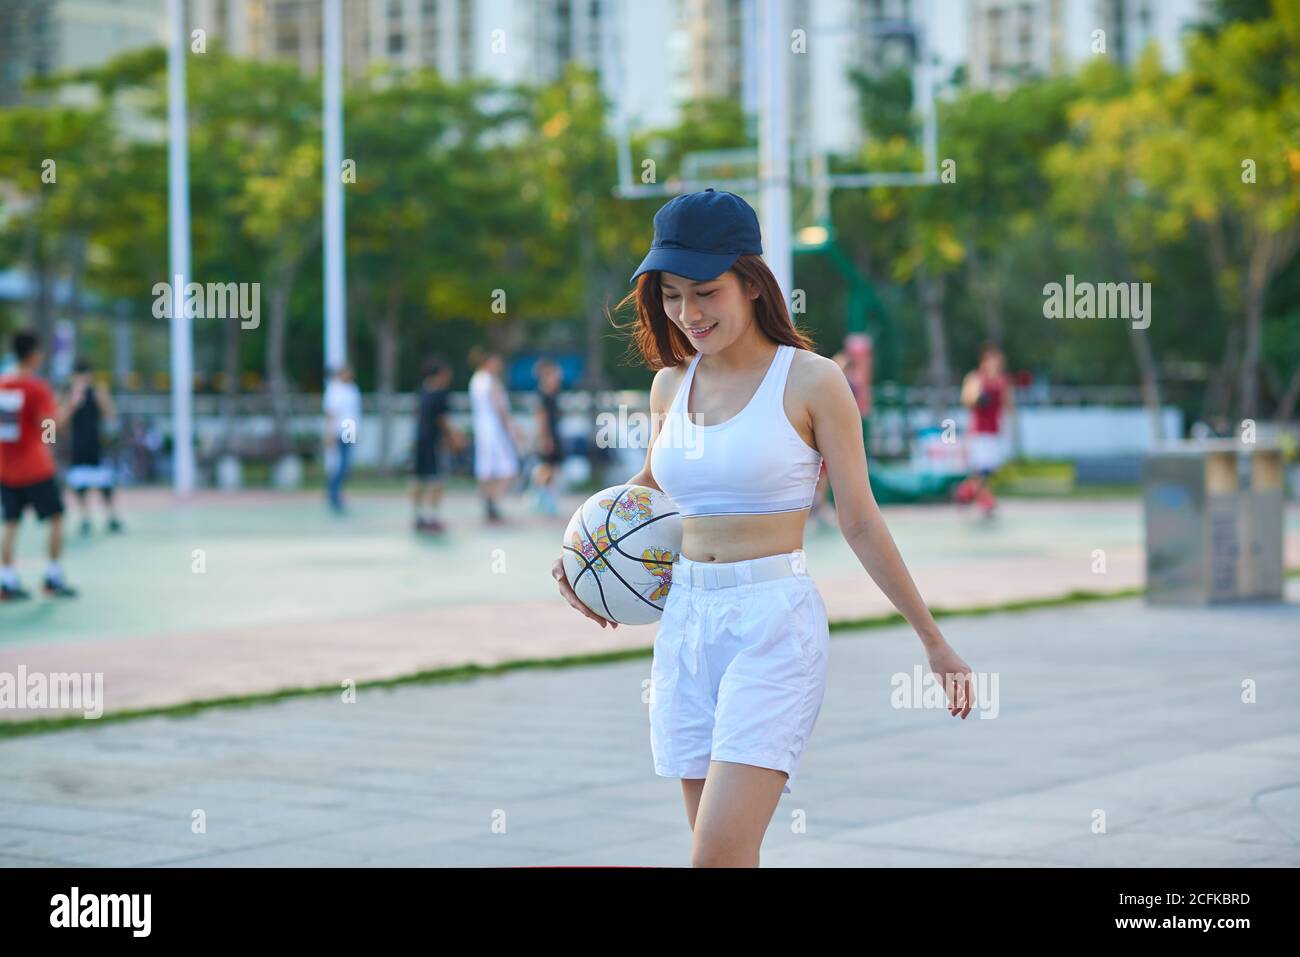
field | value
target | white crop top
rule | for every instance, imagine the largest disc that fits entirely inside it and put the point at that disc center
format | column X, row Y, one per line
column 754, row 462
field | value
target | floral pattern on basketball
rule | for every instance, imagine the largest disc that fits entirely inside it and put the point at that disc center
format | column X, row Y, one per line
column 659, row 562
column 593, row 549
column 619, row 551
column 633, row 505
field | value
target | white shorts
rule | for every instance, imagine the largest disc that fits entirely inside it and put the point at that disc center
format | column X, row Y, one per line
column 739, row 670
column 89, row 476
column 494, row 457
column 985, row 451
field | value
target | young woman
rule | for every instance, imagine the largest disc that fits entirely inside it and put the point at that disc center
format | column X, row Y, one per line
column 740, row 657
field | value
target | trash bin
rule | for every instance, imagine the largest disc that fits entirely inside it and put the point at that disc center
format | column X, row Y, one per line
column 1262, row 526
column 1212, row 535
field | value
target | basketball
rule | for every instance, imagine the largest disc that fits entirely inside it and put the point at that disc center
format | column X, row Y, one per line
column 619, row 550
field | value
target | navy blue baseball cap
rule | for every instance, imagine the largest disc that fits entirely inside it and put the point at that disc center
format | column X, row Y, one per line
column 701, row 235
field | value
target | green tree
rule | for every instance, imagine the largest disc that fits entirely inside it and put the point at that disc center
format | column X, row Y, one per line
column 1224, row 151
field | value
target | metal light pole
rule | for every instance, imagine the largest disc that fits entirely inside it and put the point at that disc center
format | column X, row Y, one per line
column 178, row 220
column 774, row 143
column 336, row 347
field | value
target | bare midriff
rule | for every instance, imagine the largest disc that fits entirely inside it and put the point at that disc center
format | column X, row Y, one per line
column 737, row 538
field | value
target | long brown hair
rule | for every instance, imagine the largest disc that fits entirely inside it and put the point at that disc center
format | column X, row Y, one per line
column 658, row 342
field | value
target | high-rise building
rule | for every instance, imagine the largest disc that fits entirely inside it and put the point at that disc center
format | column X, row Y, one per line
column 874, row 37
column 707, row 48
column 281, row 29
column 41, row 37
column 1012, row 40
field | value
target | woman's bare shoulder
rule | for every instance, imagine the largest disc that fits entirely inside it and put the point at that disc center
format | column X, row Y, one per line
column 810, row 372
column 665, row 384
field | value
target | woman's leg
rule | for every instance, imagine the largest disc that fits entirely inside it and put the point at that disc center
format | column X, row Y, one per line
column 736, row 805
column 692, row 788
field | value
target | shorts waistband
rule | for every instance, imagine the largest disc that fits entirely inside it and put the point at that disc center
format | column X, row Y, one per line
column 750, row 571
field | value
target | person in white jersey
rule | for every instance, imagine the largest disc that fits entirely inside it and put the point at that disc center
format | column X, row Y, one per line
column 740, row 656
column 341, row 404
column 496, row 440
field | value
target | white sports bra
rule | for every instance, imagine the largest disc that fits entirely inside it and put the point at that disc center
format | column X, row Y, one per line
column 754, row 462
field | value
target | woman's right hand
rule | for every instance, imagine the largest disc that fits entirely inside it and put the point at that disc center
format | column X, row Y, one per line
column 569, row 595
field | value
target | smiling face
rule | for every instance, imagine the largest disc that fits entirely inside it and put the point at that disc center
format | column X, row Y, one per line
column 712, row 314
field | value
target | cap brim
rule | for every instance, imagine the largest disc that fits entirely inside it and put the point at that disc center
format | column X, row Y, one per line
column 699, row 267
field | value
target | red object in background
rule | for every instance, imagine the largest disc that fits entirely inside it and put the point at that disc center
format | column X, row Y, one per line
column 1023, row 379
column 857, row 346
column 986, row 416
column 27, row 404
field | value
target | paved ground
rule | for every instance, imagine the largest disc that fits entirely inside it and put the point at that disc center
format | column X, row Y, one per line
column 1107, row 709
column 260, row 592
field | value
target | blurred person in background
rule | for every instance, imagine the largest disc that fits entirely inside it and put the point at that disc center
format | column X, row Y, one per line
column 91, row 408
column 496, row 441
column 546, row 475
column 30, row 421
column 342, row 407
column 143, row 447
column 986, row 391
column 435, row 437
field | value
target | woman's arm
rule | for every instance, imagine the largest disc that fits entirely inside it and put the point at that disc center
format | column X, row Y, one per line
column 837, row 425
column 661, row 387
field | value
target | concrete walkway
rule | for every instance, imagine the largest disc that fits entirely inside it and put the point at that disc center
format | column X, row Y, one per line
column 256, row 593
column 1105, row 709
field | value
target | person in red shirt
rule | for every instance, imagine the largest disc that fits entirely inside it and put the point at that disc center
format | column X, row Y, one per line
column 30, row 420
column 986, row 391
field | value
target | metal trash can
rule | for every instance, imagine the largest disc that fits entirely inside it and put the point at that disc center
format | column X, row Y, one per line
column 1214, row 522
column 1262, row 527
